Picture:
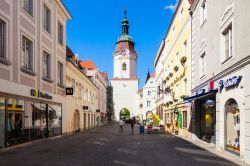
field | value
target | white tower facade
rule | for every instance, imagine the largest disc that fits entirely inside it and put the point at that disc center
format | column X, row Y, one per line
column 125, row 82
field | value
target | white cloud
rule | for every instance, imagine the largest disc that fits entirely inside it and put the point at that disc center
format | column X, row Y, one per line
column 172, row 7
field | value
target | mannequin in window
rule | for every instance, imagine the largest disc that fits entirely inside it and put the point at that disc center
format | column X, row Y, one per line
column 124, row 66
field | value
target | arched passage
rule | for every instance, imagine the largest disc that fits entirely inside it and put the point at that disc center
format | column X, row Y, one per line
column 76, row 121
column 124, row 113
column 232, row 126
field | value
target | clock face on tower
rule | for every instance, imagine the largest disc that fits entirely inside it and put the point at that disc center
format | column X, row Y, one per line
column 124, row 52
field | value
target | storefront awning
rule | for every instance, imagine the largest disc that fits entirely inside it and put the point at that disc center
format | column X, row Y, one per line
column 200, row 95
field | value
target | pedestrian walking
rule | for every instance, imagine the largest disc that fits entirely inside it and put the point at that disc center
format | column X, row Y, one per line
column 132, row 126
column 121, row 126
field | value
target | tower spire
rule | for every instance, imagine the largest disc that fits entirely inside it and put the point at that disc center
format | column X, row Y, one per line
column 125, row 23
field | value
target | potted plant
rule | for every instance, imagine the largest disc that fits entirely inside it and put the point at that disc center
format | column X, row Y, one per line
column 170, row 102
column 183, row 60
column 176, row 100
column 164, row 81
column 167, row 89
column 167, row 78
column 170, row 74
column 183, row 96
column 176, row 68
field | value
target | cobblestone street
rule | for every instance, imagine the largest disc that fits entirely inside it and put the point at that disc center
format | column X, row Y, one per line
column 105, row 146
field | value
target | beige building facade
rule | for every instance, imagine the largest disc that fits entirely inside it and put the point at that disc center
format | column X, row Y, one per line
column 32, row 70
column 81, row 106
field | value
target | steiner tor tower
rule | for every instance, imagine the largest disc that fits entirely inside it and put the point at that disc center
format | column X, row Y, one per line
column 124, row 81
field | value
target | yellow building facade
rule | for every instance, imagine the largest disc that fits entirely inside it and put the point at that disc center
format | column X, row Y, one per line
column 177, row 71
column 81, row 106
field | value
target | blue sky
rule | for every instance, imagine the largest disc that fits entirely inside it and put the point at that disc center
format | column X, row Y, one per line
column 96, row 25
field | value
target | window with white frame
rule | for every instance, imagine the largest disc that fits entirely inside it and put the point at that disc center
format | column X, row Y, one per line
column 2, row 39
column 60, row 73
column 176, row 90
column 149, row 93
column 74, row 86
column 177, row 58
column 203, row 11
column 46, row 65
column 124, row 66
column 46, row 18
column 148, row 103
column 184, row 90
column 173, row 31
column 185, row 48
column 60, row 33
column 228, row 49
column 203, row 64
column 28, row 6
column 181, row 14
column 79, row 92
column 27, row 53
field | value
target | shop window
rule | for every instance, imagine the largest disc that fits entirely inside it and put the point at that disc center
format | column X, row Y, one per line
column 207, row 120
column 232, row 126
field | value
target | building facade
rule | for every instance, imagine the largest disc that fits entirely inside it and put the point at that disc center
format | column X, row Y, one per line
column 100, row 79
column 32, row 70
column 81, row 106
column 177, row 69
column 159, row 79
column 220, row 75
column 125, row 82
column 149, row 92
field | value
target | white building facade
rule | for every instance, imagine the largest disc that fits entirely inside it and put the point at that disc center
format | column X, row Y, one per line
column 125, row 82
column 220, row 75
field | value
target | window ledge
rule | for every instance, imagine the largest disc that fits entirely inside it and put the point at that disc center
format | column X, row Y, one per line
column 5, row 61
column 28, row 71
column 60, row 85
column 48, row 80
column 226, row 60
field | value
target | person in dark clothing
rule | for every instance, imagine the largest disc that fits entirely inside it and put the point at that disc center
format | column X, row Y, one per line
column 132, row 126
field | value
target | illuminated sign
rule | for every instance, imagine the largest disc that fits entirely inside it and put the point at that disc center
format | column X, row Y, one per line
column 37, row 93
column 230, row 83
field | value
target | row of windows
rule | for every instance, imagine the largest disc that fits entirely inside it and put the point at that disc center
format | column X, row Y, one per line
column 177, row 57
column 86, row 94
column 28, row 61
column 227, row 39
column 28, row 7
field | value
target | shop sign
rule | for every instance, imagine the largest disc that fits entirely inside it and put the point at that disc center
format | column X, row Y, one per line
column 229, row 83
column 37, row 93
column 200, row 91
column 69, row 91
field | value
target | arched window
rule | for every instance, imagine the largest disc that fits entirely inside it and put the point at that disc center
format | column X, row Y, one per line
column 124, row 66
column 232, row 126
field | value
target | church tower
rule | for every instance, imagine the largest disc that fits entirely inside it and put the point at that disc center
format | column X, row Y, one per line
column 125, row 56
column 125, row 82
